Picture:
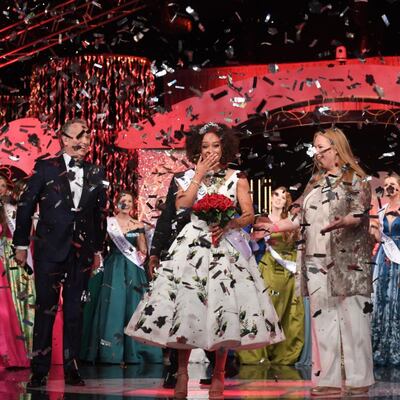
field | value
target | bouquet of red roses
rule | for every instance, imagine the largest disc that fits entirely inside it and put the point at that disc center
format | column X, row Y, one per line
column 215, row 209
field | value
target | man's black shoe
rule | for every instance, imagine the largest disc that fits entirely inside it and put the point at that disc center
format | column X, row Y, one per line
column 169, row 381
column 73, row 378
column 37, row 380
column 205, row 381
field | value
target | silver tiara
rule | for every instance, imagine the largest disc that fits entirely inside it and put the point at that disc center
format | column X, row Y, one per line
column 207, row 126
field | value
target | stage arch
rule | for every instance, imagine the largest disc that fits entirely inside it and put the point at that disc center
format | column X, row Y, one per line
column 261, row 100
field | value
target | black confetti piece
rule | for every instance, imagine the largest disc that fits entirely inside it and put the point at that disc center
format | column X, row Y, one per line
column 330, row 265
column 262, row 104
column 368, row 308
column 216, row 274
column 318, row 312
column 370, row 79
column 269, row 81
column 223, row 287
column 199, row 261
column 219, row 95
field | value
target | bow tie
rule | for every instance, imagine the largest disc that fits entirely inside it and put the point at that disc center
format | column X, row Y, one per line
column 75, row 163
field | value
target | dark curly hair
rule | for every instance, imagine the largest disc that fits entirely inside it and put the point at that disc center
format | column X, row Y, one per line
column 229, row 141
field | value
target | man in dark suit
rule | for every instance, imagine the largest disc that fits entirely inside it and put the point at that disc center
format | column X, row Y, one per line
column 168, row 226
column 69, row 239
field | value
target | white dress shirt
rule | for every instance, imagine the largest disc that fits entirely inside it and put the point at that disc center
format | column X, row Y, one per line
column 76, row 184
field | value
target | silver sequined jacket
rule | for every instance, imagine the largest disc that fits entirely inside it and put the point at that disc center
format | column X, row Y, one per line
column 351, row 248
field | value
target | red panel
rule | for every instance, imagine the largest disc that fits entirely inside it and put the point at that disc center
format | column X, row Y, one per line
column 26, row 140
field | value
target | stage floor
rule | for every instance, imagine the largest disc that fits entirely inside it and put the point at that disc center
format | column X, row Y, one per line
column 110, row 382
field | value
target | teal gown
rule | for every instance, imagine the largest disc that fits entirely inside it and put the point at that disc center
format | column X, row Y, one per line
column 114, row 296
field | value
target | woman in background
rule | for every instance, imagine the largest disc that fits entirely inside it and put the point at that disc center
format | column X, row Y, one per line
column 21, row 283
column 278, row 275
column 122, row 287
column 386, row 314
column 13, row 351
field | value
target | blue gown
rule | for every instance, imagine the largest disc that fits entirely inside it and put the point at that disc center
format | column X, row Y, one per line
column 386, row 312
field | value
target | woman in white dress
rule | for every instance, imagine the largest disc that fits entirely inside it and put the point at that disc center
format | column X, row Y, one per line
column 204, row 296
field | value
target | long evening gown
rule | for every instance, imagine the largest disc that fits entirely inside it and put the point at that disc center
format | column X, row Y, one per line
column 114, row 296
column 386, row 311
column 289, row 307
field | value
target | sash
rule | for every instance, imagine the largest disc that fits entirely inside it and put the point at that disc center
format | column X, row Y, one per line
column 10, row 219
column 291, row 266
column 389, row 246
column 184, row 182
column 238, row 238
column 9, row 212
column 122, row 244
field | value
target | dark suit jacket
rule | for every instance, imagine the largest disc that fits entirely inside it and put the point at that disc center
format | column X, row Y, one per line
column 164, row 234
column 59, row 226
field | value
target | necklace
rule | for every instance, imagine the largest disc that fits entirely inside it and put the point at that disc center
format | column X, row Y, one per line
column 215, row 180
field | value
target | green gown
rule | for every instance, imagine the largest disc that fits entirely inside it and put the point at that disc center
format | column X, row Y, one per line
column 289, row 307
column 114, row 296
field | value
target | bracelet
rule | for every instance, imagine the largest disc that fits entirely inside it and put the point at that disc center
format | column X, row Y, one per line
column 195, row 182
column 275, row 228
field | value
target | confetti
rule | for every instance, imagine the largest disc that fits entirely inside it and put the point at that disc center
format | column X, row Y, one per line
column 318, row 312
column 368, row 308
column 219, row 95
column 385, row 20
column 269, row 81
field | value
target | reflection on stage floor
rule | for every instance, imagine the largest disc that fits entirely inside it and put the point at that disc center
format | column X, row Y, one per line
column 112, row 382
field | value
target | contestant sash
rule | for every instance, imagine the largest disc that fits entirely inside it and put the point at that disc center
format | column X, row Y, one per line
column 10, row 219
column 389, row 246
column 238, row 238
column 123, row 245
column 287, row 264
column 184, row 183
column 9, row 211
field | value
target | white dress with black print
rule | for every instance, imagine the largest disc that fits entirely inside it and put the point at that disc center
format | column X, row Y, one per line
column 206, row 297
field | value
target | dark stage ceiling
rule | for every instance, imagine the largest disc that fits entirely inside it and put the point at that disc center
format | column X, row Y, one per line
column 194, row 32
